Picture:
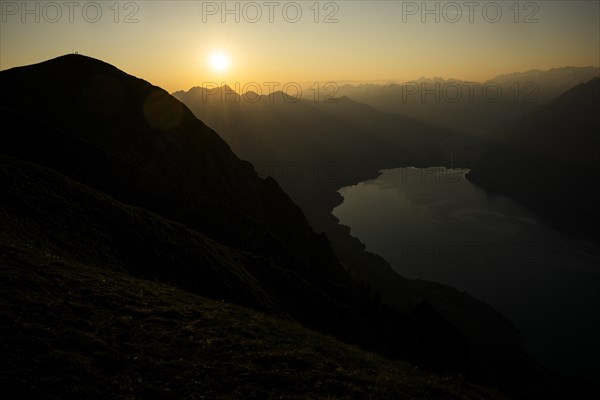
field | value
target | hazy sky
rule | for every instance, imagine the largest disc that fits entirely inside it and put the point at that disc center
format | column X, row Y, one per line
column 169, row 43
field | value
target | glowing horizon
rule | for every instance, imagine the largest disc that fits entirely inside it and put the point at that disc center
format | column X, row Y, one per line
column 171, row 43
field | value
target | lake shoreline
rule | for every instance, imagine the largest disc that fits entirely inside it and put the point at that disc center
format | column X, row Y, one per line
column 551, row 252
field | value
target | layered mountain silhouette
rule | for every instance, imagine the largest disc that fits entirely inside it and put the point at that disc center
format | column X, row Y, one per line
column 548, row 160
column 312, row 148
column 471, row 108
column 104, row 170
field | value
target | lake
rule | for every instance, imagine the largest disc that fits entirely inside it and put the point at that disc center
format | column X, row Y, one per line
column 433, row 224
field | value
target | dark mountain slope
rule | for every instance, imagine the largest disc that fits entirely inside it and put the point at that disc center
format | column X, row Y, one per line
column 548, row 160
column 113, row 142
column 143, row 127
column 76, row 331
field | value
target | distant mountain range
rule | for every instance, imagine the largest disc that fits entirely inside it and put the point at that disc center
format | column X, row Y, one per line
column 103, row 173
column 471, row 108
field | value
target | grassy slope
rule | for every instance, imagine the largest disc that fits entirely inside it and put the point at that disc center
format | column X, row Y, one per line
column 71, row 330
column 50, row 211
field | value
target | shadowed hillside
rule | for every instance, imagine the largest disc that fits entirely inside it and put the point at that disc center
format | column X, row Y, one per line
column 548, row 160
column 73, row 331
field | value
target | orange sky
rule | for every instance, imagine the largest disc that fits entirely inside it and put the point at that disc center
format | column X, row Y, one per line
column 170, row 43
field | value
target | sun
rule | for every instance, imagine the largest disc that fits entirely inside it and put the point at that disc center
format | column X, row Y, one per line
column 219, row 62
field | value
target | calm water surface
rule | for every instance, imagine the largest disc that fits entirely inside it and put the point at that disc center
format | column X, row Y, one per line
column 434, row 224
